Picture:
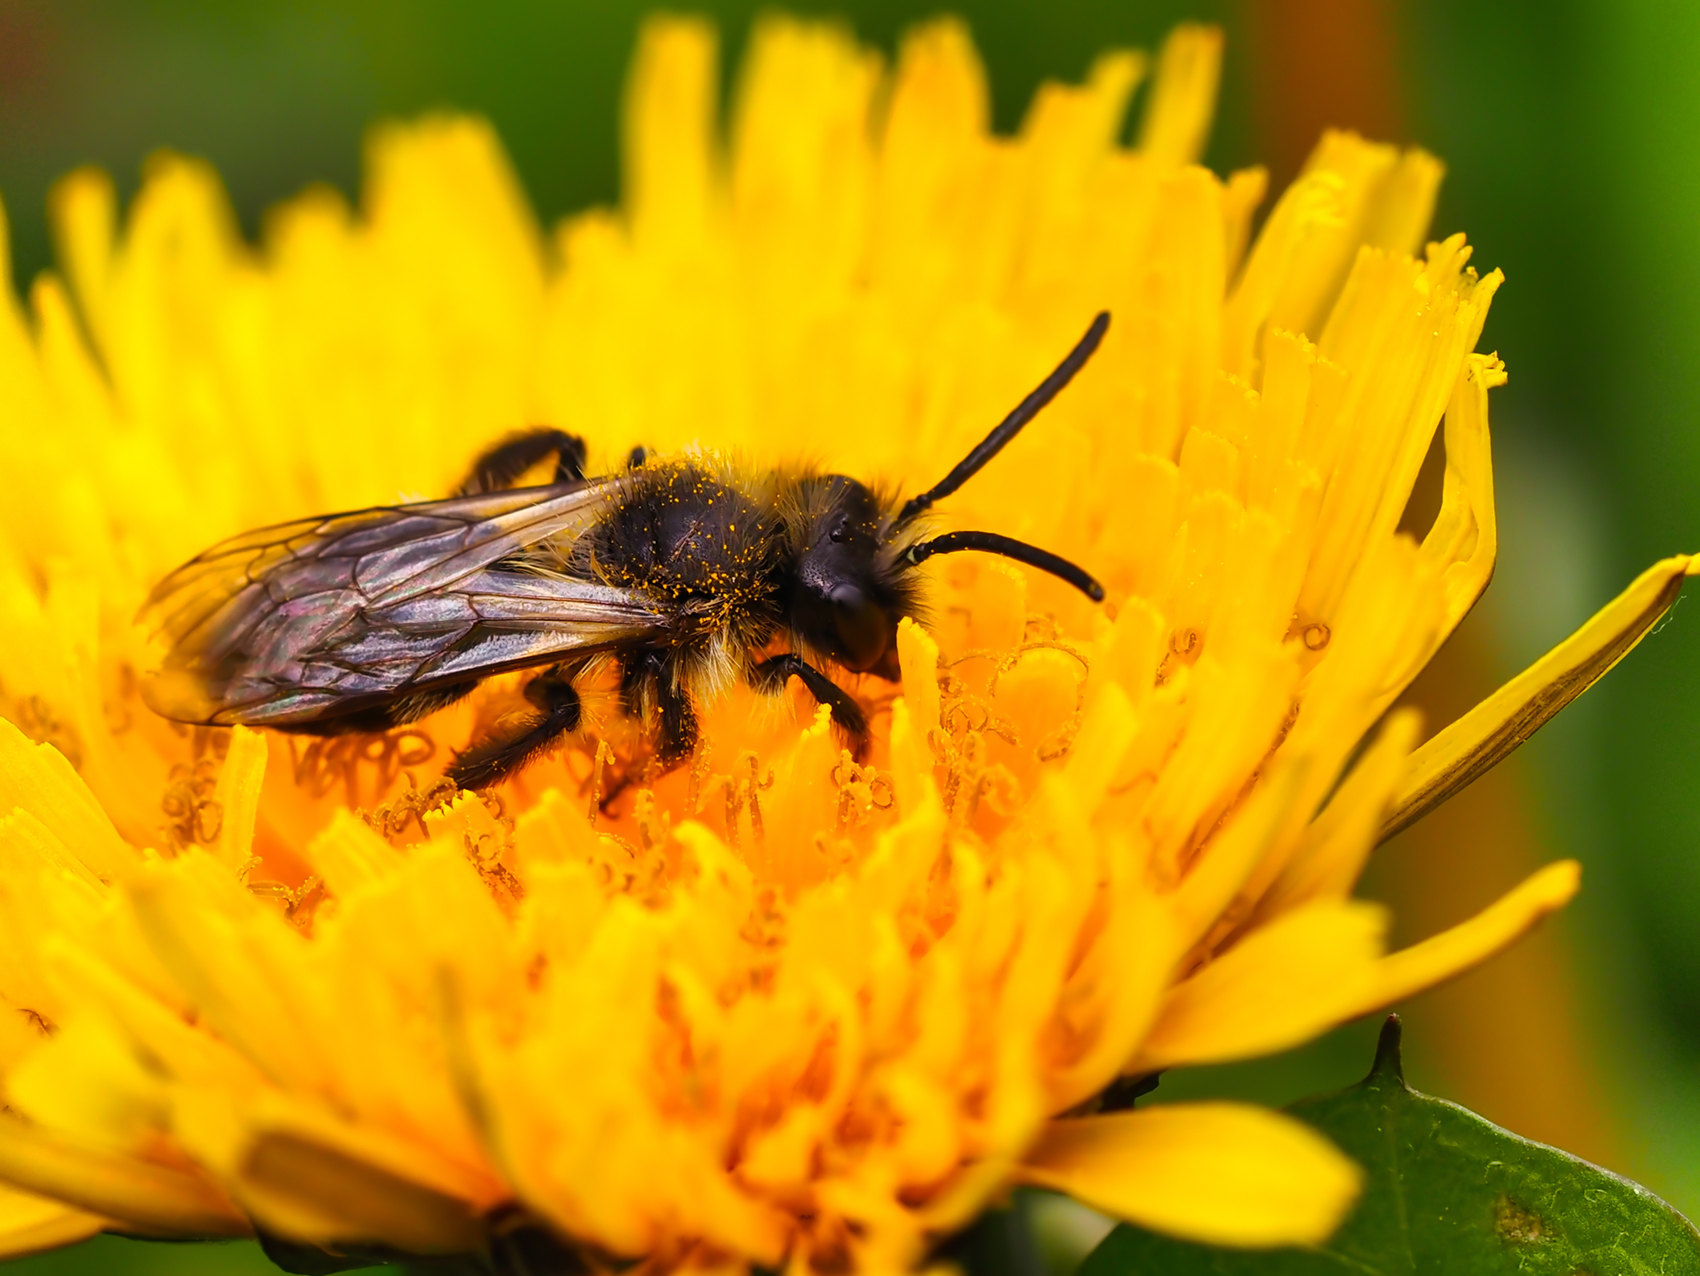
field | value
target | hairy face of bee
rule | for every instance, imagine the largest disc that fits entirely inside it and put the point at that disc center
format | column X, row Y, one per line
column 842, row 603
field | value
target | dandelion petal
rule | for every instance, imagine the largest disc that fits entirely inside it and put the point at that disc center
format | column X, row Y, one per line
column 1223, row 1173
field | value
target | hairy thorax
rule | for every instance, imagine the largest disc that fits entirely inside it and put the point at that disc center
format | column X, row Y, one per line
column 700, row 543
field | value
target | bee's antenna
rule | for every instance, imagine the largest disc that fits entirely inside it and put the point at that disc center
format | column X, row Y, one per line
column 1011, row 425
column 1020, row 551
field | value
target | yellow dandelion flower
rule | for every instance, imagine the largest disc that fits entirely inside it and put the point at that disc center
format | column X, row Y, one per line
column 775, row 1006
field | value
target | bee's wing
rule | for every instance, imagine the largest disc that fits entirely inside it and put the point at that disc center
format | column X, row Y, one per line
column 306, row 620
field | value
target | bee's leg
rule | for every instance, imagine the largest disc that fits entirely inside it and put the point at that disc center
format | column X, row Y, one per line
column 502, row 466
column 771, row 675
column 648, row 681
column 636, row 457
column 493, row 760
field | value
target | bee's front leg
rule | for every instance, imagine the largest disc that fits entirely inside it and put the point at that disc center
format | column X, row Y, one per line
column 501, row 466
column 771, row 675
column 494, row 759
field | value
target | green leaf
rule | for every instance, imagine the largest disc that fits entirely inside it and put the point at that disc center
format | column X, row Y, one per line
column 1445, row 1192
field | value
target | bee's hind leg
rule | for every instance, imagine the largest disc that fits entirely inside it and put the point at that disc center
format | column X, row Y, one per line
column 493, row 760
column 772, row 674
column 502, row 466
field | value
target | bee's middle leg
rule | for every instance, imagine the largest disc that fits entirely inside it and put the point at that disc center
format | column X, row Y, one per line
column 501, row 466
column 649, row 681
column 494, row 759
column 772, row 674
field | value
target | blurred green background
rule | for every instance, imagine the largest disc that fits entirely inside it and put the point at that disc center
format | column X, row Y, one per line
column 1569, row 129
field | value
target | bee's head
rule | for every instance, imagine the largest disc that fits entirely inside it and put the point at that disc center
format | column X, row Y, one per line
column 846, row 597
column 854, row 558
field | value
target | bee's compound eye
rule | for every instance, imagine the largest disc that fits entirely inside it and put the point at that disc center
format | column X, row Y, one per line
column 864, row 629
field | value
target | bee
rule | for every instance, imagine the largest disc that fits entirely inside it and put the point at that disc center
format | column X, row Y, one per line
column 683, row 572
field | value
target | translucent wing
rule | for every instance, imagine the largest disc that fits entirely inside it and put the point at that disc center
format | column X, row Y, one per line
column 305, row 621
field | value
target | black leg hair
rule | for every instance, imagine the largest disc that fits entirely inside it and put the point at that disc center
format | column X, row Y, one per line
column 637, row 673
column 678, row 722
column 493, row 760
column 647, row 682
column 770, row 676
column 502, row 466
column 397, row 711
